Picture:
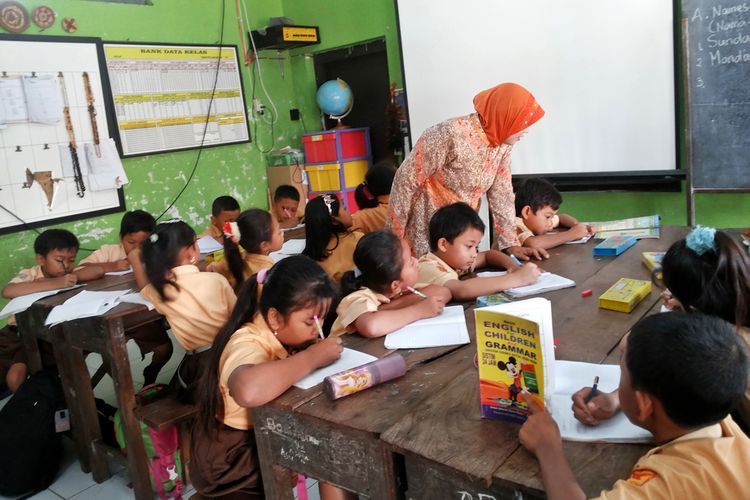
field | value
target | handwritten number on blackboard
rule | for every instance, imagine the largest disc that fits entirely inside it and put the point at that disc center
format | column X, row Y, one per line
column 700, row 83
column 699, row 63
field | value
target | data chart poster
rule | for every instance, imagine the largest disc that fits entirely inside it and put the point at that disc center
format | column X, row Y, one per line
column 162, row 95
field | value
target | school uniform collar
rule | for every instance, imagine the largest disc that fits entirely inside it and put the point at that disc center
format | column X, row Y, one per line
column 379, row 296
column 259, row 257
column 186, row 269
column 709, row 432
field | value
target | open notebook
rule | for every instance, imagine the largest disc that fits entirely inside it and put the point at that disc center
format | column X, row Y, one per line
column 349, row 359
column 547, row 282
column 289, row 248
column 449, row 328
column 571, row 376
column 20, row 304
column 207, row 244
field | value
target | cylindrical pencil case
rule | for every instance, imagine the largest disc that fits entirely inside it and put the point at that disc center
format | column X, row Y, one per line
column 363, row 377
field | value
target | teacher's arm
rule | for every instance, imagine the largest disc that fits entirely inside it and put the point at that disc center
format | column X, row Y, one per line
column 503, row 210
column 429, row 155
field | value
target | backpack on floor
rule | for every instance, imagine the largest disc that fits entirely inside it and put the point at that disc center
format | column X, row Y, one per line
column 30, row 447
column 162, row 448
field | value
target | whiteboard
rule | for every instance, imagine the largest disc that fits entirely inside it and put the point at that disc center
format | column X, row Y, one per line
column 603, row 70
column 41, row 147
column 162, row 95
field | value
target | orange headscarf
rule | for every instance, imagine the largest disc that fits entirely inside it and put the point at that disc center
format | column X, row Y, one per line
column 505, row 110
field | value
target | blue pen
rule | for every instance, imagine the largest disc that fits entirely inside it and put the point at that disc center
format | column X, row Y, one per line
column 515, row 259
column 593, row 392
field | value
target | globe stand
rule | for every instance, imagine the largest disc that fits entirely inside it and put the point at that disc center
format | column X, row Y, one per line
column 341, row 117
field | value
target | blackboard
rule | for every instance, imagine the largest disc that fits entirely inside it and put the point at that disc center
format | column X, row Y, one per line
column 717, row 35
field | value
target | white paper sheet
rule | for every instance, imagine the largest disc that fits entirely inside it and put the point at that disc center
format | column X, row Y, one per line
column 449, row 328
column 207, row 245
column 349, row 359
column 136, row 298
column 84, row 305
column 547, row 282
column 20, row 304
column 105, row 170
column 571, row 376
column 120, row 273
column 43, row 99
column 298, row 226
column 580, row 241
column 290, row 247
column 12, row 101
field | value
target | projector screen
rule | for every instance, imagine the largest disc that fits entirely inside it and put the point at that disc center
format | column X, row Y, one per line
column 603, row 70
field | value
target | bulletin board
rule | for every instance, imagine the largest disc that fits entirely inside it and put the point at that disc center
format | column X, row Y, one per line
column 162, row 94
column 40, row 184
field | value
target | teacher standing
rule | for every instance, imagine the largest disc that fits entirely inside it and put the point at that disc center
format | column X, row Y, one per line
column 460, row 160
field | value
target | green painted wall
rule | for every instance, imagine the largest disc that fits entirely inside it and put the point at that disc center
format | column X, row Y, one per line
column 238, row 170
column 289, row 77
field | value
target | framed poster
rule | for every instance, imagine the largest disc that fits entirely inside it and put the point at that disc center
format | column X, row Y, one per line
column 53, row 112
column 162, row 94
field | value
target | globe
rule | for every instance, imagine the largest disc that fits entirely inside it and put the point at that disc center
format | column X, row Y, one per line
column 335, row 98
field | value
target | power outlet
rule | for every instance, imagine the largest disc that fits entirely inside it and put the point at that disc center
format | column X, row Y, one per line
column 258, row 107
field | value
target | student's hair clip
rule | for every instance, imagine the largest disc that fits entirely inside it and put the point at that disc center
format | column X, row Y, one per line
column 328, row 200
column 153, row 238
column 701, row 240
column 260, row 278
column 232, row 231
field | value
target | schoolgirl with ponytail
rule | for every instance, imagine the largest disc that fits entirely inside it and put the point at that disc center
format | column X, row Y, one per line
column 196, row 304
column 256, row 232
column 709, row 272
column 269, row 342
column 379, row 294
column 327, row 239
column 373, row 197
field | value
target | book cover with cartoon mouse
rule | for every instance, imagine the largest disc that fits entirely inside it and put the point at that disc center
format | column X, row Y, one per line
column 515, row 352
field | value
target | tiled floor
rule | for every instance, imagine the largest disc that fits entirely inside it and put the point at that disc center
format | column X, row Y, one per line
column 72, row 483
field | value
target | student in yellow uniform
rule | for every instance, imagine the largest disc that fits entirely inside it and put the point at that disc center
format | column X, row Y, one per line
column 372, row 197
column 327, row 240
column 455, row 233
column 196, row 304
column 269, row 343
column 223, row 209
column 285, row 205
column 378, row 293
column 709, row 272
column 56, row 251
column 538, row 225
column 135, row 227
column 258, row 233
column 681, row 376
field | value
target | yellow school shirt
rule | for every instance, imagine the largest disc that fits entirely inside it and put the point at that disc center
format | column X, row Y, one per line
column 434, row 271
column 712, row 462
column 353, row 306
column 524, row 233
column 105, row 254
column 213, row 232
column 251, row 264
column 340, row 257
column 25, row 276
column 198, row 309
column 368, row 220
column 252, row 344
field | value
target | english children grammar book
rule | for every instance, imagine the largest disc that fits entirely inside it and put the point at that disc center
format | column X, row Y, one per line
column 515, row 352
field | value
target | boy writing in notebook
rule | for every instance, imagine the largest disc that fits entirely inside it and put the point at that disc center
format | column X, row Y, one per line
column 135, row 227
column 537, row 202
column 455, row 233
column 56, row 251
column 223, row 209
column 681, row 376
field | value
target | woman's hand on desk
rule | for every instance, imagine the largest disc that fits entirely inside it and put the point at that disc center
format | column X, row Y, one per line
column 601, row 407
column 528, row 253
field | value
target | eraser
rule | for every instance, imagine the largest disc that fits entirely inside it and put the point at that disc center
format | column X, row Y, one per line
column 586, row 293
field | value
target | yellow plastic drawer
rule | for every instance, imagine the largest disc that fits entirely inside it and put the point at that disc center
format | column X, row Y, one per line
column 323, row 177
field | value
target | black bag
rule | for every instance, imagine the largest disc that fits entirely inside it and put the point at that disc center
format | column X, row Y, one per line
column 30, row 448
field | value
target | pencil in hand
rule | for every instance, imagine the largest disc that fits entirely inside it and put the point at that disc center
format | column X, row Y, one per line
column 416, row 292
column 320, row 329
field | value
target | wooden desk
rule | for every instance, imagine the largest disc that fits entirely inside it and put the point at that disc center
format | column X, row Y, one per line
column 104, row 335
column 423, row 435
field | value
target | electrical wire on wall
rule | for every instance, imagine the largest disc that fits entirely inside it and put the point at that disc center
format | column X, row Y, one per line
column 208, row 114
